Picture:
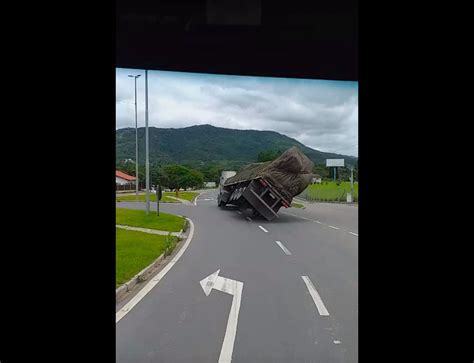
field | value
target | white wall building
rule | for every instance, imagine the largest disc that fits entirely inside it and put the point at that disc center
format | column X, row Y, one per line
column 123, row 179
column 209, row 184
column 316, row 179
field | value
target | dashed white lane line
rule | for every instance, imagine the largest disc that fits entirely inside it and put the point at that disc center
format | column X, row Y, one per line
column 288, row 253
column 239, row 212
column 337, row 342
column 316, row 298
column 249, row 219
column 324, row 224
column 263, row 229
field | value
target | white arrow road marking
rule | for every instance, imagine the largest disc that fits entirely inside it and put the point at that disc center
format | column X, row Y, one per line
column 283, row 248
column 263, row 229
column 316, row 298
column 234, row 288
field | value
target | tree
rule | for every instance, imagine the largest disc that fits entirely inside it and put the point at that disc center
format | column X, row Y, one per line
column 212, row 171
column 179, row 176
column 321, row 170
column 194, row 179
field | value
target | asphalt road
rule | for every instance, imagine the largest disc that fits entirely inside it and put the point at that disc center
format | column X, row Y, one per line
column 278, row 320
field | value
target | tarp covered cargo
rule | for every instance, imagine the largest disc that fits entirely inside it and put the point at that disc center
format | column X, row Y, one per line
column 290, row 173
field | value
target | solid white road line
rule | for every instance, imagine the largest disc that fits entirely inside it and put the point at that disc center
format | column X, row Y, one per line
column 318, row 222
column 283, row 248
column 197, row 197
column 355, row 234
column 332, row 227
column 316, row 298
column 263, row 229
column 150, row 285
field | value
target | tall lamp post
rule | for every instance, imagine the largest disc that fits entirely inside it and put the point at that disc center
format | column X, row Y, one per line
column 136, row 136
column 147, row 161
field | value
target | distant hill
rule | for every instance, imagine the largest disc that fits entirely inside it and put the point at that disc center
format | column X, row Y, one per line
column 197, row 145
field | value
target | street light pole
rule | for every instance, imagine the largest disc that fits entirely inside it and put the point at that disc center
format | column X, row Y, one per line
column 147, row 162
column 352, row 183
column 136, row 136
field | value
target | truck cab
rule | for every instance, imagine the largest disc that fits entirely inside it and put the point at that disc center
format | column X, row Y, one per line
column 226, row 174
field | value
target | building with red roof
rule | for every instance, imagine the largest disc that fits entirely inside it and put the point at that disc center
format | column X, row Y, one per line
column 122, row 178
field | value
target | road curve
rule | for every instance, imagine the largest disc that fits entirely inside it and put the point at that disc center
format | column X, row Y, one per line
column 290, row 268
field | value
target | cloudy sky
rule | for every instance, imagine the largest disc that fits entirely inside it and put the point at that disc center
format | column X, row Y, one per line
column 320, row 114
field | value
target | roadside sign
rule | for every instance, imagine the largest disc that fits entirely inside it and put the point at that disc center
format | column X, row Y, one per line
column 334, row 162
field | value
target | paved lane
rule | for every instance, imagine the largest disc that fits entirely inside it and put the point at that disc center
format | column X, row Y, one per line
column 278, row 319
column 345, row 216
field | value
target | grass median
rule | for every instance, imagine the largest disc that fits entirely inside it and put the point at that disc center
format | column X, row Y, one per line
column 141, row 198
column 330, row 191
column 189, row 196
column 138, row 218
column 137, row 250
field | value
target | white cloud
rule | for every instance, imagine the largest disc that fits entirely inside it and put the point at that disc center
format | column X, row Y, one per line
column 320, row 114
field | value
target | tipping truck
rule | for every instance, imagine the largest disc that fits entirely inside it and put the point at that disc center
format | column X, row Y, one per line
column 263, row 188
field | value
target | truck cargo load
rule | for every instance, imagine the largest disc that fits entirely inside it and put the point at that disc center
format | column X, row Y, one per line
column 265, row 187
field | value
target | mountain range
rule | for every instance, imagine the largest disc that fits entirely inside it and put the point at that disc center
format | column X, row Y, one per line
column 201, row 144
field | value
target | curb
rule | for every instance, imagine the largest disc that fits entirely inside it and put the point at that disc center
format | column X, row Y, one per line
column 197, row 196
column 325, row 201
column 143, row 275
column 135, row 299
column 150, row 230
column 180, row 200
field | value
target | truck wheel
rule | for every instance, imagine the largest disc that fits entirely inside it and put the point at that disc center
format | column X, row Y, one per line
column 220, row 203
column 255, row 214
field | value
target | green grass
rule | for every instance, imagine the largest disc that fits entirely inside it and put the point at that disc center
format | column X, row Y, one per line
column 297, row 205
column 330, row 191
column 135, row 251
column 141, row 198
column 138, row 218
column 182, row 195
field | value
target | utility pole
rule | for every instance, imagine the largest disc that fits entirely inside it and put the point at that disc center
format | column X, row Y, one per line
column 352, row 183
column 147, row 161
column 136, row 137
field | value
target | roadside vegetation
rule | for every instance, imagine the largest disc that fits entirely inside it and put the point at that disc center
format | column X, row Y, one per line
column 297, row 205
column 138, row 218
column 330, row 191
column 137, row 250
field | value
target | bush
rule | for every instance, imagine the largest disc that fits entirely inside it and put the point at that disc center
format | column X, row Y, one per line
column 170, row 245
